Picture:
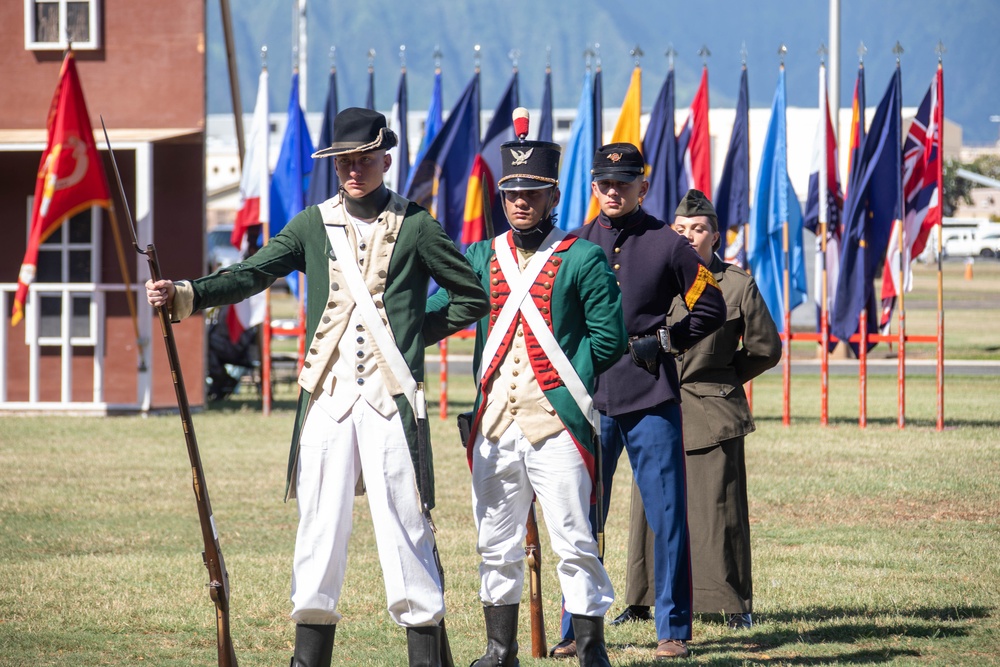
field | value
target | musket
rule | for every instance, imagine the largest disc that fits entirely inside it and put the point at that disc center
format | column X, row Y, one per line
column 218, row 578
column 532, row 544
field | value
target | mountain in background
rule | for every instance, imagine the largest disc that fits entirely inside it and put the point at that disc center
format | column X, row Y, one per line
column 568, row 28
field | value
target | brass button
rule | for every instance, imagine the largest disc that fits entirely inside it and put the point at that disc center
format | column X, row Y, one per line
column 493, row 258
column 389, row 238
column 544, row 310
column 513, row 411
column 379, row 304
column 330, row 304
column 495, row 306
column 319, row 335
column 550, row 273
column 517, row 360
column 617, row 266
column 520, row 333
column 493, row 318
column 307, row 364
column 381, row 274
column 513, row 399
column 313, row 350
column 617, row 250
column 545, row 297
column 547, row 285
column 513, row 386
column 495, row 281
column 515, row 373
column 556, row 261
column 494, row 294
column 494, row 270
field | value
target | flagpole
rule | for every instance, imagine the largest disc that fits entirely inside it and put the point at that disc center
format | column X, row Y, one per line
column 824, row 219
column 127, row 279
column 863, row 367
column 265, row 214
column 938, row 167
column 786, row 403
column 901, row 322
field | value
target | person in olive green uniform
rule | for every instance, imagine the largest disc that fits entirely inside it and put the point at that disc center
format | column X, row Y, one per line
column 368, row 255
column 716, row 419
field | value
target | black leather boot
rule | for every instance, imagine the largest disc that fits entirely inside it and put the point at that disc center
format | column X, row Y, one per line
column 313, row 645
column 590, row 649
column 423, row 646
column 501, row 637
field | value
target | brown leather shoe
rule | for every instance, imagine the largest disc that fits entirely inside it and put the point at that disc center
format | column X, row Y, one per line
column 564, row 649
column 672, row 648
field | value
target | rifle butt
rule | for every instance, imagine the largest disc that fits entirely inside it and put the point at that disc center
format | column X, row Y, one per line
column 533, row 557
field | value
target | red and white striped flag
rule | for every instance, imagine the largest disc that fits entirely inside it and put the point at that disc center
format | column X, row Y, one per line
column 255, row 207
column 694, row 145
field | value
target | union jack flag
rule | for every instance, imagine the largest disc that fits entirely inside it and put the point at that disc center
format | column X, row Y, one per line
column 922, row 185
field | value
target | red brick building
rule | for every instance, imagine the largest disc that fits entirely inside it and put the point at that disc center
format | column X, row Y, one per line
column 141, row 67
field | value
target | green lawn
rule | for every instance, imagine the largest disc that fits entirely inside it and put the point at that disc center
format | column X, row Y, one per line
column 870, row 547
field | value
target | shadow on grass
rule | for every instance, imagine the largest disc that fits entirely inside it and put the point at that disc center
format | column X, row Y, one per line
column 879, row 422
column 830, row 626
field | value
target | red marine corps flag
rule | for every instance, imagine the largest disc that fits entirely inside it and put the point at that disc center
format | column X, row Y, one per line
column 70, row 176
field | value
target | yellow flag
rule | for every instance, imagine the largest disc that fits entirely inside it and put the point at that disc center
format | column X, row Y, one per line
column 627, row 127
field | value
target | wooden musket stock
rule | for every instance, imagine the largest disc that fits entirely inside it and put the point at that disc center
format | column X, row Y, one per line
column 533, row 554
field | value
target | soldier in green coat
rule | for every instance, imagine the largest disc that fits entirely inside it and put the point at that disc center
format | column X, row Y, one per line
column 368, row 255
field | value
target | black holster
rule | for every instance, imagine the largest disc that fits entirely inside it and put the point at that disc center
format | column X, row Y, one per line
column 645, row 351
column 465, row 426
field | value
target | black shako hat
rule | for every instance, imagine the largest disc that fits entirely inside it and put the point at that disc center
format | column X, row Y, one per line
column 529, row 165
column 358, row 130
column 619, row 161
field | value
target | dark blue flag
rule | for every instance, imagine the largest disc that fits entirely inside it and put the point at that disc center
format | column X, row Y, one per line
column 323, row 183
column 433, row 125
column 545, row 123
column 660, row 148
column 598, row 111
column 438, row 182
column 873, row 200
column 732, row 196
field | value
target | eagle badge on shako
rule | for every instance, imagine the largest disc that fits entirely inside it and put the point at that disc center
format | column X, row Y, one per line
column 521, row 157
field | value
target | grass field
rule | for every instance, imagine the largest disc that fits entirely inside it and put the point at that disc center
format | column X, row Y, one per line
column 870, row 547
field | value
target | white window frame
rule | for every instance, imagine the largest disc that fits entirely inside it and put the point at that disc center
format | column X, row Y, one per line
column 63, row 246
column 31, row 43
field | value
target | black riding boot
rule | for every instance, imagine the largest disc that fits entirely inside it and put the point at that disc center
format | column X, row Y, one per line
column 423, row 646
column 501, row 637
column 313, row 645
column 589, row 631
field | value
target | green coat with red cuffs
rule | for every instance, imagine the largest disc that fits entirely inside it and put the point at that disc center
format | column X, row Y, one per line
column 579, row 298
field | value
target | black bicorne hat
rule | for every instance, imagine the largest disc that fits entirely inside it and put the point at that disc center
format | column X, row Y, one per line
column 357, row 130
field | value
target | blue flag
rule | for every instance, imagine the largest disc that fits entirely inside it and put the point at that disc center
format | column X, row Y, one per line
column 545, row 123
column 574, row 172
column 775, row 206
column 401, row 152
column 873, row 203
column 732, row 196
column 324, row 183
column 500, row 130
column 438, row 182
column 290, row 180
column 659, row 146
column 433, row 125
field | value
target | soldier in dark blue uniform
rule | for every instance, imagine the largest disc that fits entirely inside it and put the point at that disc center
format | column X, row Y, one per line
column 639, row 397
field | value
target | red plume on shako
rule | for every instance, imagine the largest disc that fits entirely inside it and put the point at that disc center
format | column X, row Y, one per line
column 521, row 121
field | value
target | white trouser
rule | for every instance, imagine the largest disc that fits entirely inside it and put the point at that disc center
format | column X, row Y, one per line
column 331, row 455
column 505, row 475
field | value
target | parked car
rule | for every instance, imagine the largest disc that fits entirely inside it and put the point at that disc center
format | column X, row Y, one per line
column 971, row 244
column 219, row 250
